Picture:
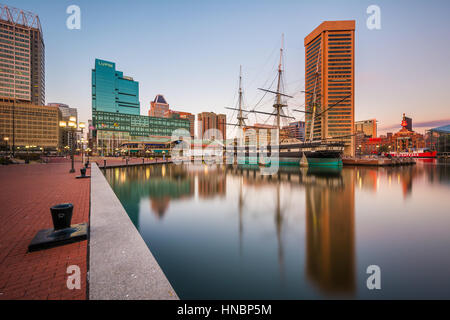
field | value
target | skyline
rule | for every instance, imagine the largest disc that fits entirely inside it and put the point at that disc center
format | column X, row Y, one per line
column 196, row 69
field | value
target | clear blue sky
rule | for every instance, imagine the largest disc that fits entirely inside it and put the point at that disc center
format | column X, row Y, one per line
column 190, row 51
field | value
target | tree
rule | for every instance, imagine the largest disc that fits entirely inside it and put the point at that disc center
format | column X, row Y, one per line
column 384, row 149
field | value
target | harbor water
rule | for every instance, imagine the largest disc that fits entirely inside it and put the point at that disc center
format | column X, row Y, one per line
column 228, row 232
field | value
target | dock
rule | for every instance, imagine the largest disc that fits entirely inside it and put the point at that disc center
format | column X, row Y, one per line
column 378, row 162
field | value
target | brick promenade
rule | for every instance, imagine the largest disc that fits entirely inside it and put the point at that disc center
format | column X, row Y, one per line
column 26, row 194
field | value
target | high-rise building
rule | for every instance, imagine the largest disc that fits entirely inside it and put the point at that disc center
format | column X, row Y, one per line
column 22, row 64
column 112, row 91
column 158, row 107
column 296, row 130
column 210, row 120
column 28, row 126
column 329, row 82
column 368, row 127
column 66, row 112
column 261, row 133
column 407, row 123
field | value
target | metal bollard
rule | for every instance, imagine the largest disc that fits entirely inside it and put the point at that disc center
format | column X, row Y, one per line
column 61, row 215
column 104, row 164
column 143, row 160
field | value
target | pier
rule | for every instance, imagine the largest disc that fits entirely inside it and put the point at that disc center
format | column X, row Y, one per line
column 378, row 162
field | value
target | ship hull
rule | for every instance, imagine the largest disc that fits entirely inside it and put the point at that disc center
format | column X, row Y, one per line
column 324, row 159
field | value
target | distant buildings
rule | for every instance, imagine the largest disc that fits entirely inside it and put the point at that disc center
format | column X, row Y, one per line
column 66, row 113
column 405, row 140
column 158, row 107
column 112, row 91
column 261, row 133
column 210, row 120
column 368, row 127
column 329, row 81
column 407, row 123
column 22, row 51
column 439, row 139
column 296, row 130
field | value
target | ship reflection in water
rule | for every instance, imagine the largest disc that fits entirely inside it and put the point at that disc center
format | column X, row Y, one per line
column 229, row 232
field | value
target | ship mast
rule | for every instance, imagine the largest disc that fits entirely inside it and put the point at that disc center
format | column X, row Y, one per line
column 278, row 105
column 314, row 93
column 240, row 117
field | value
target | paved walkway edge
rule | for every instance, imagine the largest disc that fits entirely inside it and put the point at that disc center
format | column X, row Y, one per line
column 121, row 265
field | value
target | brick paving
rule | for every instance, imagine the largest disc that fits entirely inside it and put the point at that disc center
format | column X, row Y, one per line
column 26, row 194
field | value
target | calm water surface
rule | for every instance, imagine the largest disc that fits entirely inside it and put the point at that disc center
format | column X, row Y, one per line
column 228, row 233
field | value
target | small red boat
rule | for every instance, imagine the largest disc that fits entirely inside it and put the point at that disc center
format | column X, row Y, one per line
column 421, row 153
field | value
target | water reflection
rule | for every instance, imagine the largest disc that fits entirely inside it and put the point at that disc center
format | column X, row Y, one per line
column 330, row 231
column 290, row 235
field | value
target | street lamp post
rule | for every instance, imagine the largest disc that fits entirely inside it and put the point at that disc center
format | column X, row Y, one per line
column 6, row 140
column 72, row 124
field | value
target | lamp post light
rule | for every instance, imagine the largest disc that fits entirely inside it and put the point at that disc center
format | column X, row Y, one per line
column 72, row 126
column 6, row 141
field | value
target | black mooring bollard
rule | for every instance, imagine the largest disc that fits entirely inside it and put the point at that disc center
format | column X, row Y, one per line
column 104, row 163
column 62, row 215
column 83, row 172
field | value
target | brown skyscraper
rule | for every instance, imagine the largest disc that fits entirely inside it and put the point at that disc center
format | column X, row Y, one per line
column 329, row 80
column 22, row 65
column 158, row 107
column 210, row 120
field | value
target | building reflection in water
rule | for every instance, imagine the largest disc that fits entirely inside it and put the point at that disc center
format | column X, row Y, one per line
column 163, row 183
column 330, row 230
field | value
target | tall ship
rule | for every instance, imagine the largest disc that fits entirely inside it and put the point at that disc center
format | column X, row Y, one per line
column 288, row 151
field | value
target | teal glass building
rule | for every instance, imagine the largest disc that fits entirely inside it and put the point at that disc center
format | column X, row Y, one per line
column 112, row 91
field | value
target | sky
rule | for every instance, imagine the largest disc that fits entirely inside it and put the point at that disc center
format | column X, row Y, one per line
column 190, row 51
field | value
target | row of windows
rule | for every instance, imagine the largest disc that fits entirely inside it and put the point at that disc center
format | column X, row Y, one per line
column 339, row 51
column 332, row 35
column 339, row 55
column 339, row 39
column 11, row 39
column 313, row 45
column 17, row 51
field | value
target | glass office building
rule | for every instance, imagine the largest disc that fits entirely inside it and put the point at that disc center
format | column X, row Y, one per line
column 134, row 132
column 112, row 91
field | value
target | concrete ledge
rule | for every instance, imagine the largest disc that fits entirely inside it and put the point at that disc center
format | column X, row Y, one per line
column 121, row 265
